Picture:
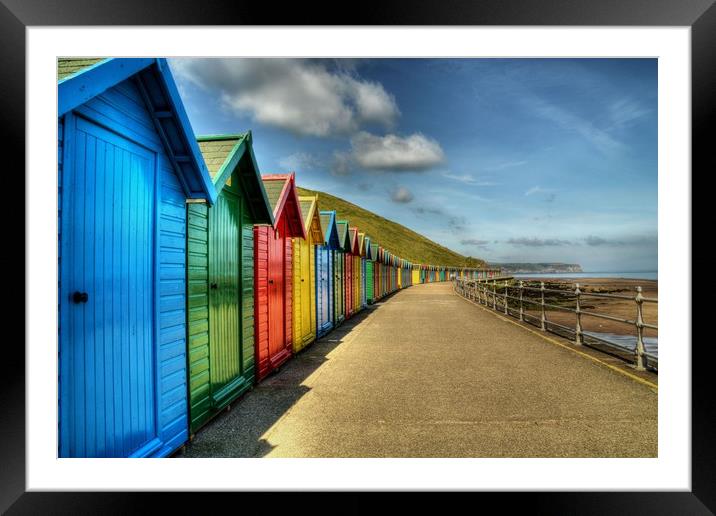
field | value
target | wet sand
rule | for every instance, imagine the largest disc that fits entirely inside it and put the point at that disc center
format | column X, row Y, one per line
column 621, row 308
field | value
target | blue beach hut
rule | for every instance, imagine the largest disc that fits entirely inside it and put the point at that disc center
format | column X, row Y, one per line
column 325, row 275
column 127, row 163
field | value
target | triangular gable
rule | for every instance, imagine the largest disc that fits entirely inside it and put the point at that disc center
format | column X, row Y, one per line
column 80, row 80
column 330, row 229
column 361, row 244
column 373, row 251
column 311, row 218
column 355, row 248
column 343, row 236
column 227, row 154
column 282, row 196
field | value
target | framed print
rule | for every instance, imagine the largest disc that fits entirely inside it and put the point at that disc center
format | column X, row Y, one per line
column 414, row 250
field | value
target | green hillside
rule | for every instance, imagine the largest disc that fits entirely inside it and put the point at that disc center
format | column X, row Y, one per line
column 397, row 239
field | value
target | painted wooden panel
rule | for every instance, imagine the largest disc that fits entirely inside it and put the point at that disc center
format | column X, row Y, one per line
column 363, row 283
column 198, row 313
column 304, row 293
column 356, row 284
column 224, row 294
column 324, row 290
column 273, row 314
column 247, row 293
column 261, row 305
column 278, row 313
column 369, row 282
column 220, row 302
column 339, row 287
column 108, row 406
column 348, row 284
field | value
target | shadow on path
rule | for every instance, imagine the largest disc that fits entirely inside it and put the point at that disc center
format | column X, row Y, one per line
column 238, row 432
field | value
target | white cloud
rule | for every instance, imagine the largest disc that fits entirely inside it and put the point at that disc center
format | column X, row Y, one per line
column 624, row 111
column 401, row 195
column 300, row 161
column 301, row 96
column 342, row 163
column 534, row 190
column 392, row 152
column 468, row 179
column 569, row 121
column 538, row 242
column 507, row 164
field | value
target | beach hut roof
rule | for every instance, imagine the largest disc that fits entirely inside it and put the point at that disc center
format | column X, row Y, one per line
column 344, row 236
column 330, row 229
column 228, row 153
column 311, row 218
column 373, row 251
column 355, row 246
column 81, row 79
column 282, row 196
column 364, row 243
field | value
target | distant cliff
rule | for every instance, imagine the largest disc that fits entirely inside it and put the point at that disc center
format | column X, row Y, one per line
column 531, row 268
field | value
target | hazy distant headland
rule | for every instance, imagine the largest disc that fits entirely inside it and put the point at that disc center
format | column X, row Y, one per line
column 538, row 268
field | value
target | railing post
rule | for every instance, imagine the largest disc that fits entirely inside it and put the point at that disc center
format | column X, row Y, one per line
column 578, row 313
column 639, row 330
column 506, row 311
column 494, row 295
column 522, row 315
column 542, row 320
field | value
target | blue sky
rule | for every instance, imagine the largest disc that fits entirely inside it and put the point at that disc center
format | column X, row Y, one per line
column 509, row 160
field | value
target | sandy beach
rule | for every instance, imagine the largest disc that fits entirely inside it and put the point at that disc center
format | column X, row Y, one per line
column 622, row 308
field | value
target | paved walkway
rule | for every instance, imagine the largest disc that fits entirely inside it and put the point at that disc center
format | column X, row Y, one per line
column 427, row 374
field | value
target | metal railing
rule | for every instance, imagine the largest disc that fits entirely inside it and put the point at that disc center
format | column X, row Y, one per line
column 485, row 293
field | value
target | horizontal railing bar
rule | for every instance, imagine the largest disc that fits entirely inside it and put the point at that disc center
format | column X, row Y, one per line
column 608, row 296
column 610, row 317
column 567, row 328
column 557, row 307
column 607, row 342
column 537, row 289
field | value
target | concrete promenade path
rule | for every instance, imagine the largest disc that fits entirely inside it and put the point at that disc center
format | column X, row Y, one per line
column 426, row 373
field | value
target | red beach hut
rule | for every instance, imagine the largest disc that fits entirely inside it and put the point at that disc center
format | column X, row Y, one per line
column 353, row 272
column 273, row 274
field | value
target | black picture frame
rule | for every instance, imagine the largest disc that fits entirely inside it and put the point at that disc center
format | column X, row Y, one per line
column 17, row 15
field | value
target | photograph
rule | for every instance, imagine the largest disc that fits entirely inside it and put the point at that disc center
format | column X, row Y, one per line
column 378, row 257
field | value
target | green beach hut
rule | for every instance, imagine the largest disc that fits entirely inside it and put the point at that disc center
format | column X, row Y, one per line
column 220, row 277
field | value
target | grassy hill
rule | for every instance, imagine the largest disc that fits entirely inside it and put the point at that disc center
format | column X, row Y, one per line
column 396, row 238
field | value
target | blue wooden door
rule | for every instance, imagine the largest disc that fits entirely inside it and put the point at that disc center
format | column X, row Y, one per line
column 323, row 301
column 107, row 298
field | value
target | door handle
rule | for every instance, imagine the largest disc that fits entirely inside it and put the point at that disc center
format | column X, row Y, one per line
column 80, row 297
column 214, row 286
column 271, row 281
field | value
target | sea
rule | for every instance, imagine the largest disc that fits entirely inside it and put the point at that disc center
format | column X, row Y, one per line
column 654, row 275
